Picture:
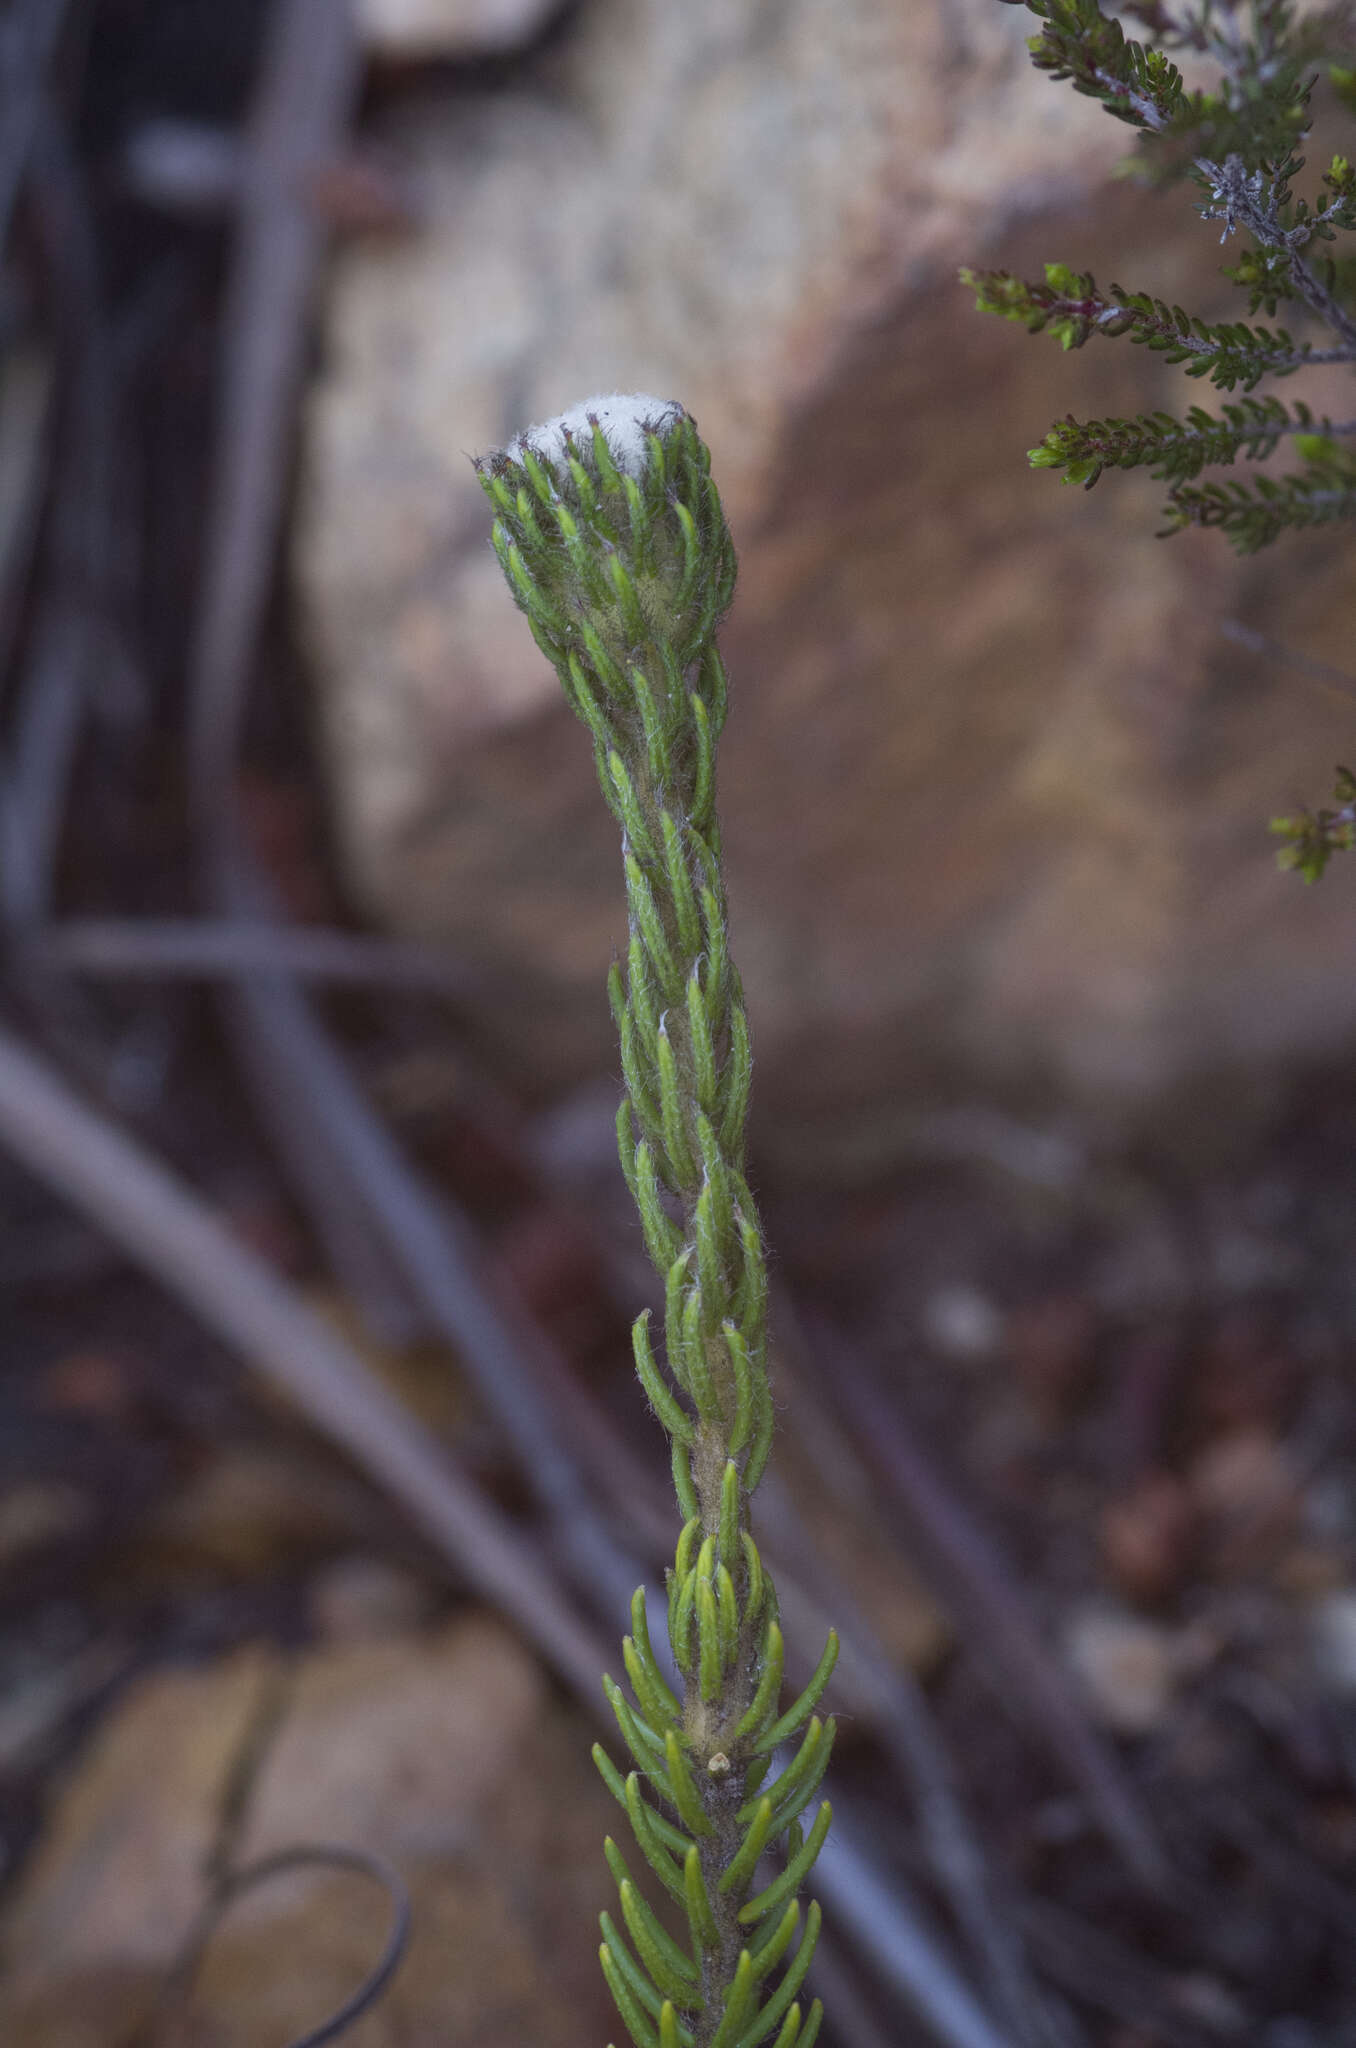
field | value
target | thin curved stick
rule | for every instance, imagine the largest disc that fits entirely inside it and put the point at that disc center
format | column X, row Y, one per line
column 303, row 1855
column 1338, row 680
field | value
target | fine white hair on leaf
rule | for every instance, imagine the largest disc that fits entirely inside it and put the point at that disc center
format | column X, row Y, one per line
column 625, row 418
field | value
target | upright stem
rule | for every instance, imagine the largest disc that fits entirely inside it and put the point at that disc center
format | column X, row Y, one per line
column 611, row 535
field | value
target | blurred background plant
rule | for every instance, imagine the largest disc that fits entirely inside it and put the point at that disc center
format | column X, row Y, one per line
column 323, row 1476
column 1236, row 141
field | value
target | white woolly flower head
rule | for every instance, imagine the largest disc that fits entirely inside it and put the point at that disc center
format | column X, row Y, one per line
column 625, row 417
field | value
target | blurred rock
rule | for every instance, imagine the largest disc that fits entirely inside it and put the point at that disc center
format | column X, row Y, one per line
column 1203, row 1998
column 391, row 1744
column 1249, row 1497
column 37, row 1512
column 252, row 1509
column 996, row 787
column 1128, row 1667
column 1146, row 1271
column 443, row 1753
column 116, row 1879
column 1304, row 1571
column 907, row 1622
column 359, row 1599
column 36, row 1702
column 416, row 30
column 1147, row 1537
column 97, row 1384
column 1248, row 1373
column 962, row 1323
column 1051, row 1341
column 448, row 1756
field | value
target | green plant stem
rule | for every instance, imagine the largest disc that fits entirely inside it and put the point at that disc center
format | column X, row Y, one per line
column 613, row 541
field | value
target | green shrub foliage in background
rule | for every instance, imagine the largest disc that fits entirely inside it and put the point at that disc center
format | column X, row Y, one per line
column 611, row 534
column 1236, row 143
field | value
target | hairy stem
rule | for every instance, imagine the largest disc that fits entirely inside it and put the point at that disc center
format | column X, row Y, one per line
column 612, row 538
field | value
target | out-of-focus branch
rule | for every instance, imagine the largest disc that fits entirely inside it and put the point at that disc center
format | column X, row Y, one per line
column 307, row 84
column 217, row 950
column 170, row 1232
column 891, row 1930
column 28, row 38
column 905, row 1730
column 72, row 612
column 989, row 1601
column 359, row 1185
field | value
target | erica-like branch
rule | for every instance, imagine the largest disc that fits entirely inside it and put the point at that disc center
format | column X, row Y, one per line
column 1070, row 305
column 1313, row 837
column 1175, row 450
column 1253, row 515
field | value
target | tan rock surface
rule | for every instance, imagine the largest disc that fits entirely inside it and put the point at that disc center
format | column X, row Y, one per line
column 441, row 1752
column 116, row 1880
column 970, row 848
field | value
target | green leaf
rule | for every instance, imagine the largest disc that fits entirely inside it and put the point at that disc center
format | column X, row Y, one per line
column 694, row 1355
column 627, row 2004
column 686, row 1797
column 646, row 1825
column 682, row 1627
column 805, row 1705
column 663, row 1402
column 746, row 1385
column 701, row 1919
column 629, row 811
column 682, row 1481
column 662, row 1238
column 764, row 1428
column 646, row 1685
column 668, row 1709
column 635, row 1977
column 1252, row 517
column 790, row 1984
column 710, row 1259
column 738, row 2004
column 753, row 1577
column 674, row 1973
column 740, row 1868
column 736, row 1081
column 711, row 1661
column 764, row 1701
column 771, row 1946
column 793, row 1876
column 799, row 1783
column 731, row 1504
